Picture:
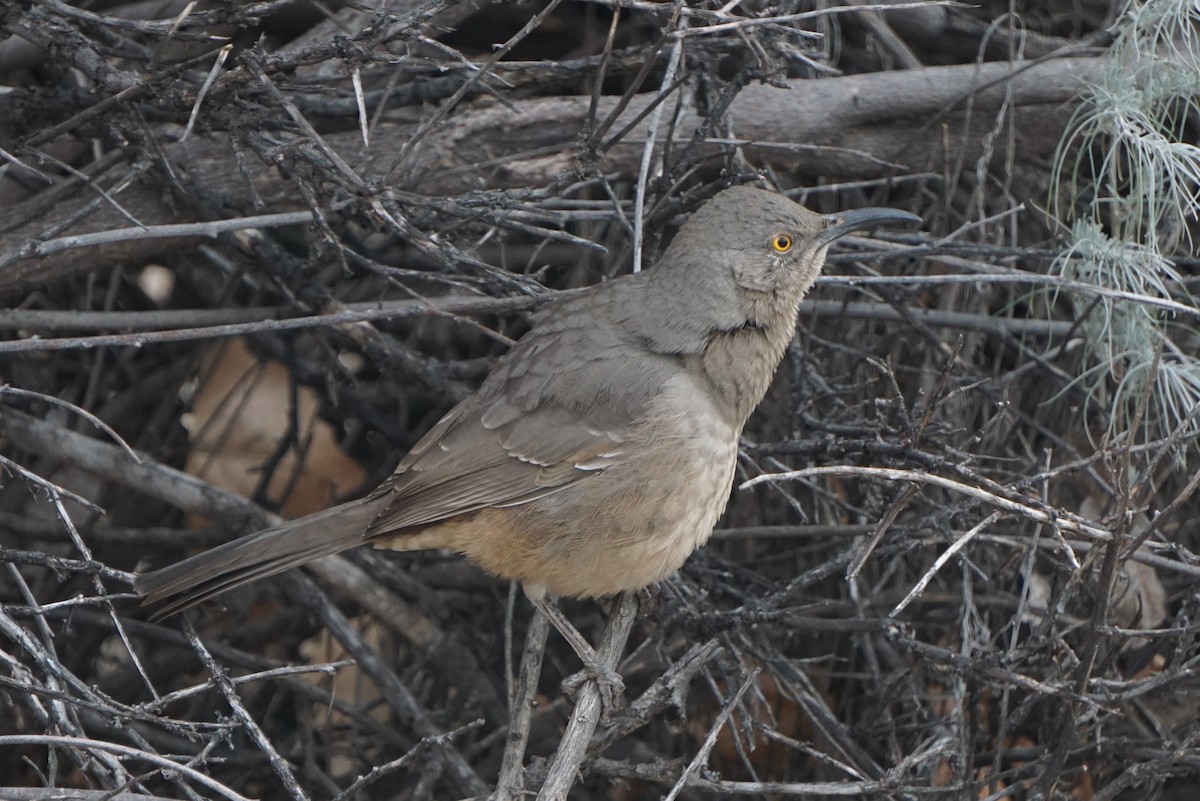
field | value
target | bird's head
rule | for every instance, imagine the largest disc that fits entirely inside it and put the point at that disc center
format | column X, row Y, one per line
column 762, row 247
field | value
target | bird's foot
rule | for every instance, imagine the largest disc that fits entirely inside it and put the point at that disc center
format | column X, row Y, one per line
column 608, row 682
column 650, row 600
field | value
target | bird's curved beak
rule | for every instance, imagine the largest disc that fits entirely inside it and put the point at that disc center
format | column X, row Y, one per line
column 845, row 222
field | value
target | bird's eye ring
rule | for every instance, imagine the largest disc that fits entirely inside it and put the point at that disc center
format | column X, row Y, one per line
column 781, row 243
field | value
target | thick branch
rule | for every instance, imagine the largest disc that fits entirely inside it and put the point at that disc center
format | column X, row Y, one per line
column 870, row 125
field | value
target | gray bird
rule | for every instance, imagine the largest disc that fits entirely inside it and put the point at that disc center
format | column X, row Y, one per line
column 600, row 451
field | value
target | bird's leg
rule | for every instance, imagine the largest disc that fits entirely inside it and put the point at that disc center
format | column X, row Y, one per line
column 650, row 599
column 610, row 683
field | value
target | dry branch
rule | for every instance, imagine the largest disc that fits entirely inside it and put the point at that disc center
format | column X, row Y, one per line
column 865, row 126
column 965, row 588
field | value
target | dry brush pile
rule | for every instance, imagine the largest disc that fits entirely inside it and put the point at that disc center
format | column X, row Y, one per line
column 250, row 252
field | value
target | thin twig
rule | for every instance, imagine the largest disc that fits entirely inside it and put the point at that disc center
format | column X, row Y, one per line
column 510, row 784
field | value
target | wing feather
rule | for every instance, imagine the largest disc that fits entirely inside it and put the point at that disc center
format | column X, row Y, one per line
column 541, row 422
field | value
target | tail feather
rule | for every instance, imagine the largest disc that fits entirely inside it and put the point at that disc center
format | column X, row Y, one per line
column 264, row 553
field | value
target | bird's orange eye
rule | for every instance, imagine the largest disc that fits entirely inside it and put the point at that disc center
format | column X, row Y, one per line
column 782, row 243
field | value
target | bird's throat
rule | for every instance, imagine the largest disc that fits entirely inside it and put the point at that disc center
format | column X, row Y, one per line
column 740, row 365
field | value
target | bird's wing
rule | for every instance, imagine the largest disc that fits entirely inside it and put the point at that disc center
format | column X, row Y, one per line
column 546, row 418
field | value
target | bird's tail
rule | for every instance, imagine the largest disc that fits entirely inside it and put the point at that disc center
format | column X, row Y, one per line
column 255, row 556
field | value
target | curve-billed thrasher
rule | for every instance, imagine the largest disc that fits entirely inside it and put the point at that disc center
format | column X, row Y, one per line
column 600, row 451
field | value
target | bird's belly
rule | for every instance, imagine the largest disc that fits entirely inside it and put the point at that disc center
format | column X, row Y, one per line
column 631, row 526
column 634, row 553
column 617, row 529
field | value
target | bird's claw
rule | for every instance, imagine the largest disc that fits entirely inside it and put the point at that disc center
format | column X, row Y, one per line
column 649, row 600
column 608, row 682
